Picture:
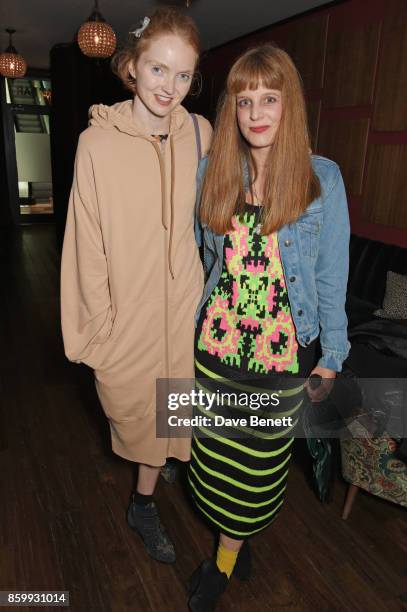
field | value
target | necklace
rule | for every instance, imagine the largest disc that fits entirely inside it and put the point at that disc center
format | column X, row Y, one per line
column 257, row 229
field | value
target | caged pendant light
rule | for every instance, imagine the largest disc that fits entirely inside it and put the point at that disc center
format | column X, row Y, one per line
column 96, row 38
column 12, row 64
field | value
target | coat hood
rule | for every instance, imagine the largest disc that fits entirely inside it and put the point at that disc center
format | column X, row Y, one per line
column 120, row 117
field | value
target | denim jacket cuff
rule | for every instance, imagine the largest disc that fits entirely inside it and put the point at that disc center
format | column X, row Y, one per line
column 332, row 360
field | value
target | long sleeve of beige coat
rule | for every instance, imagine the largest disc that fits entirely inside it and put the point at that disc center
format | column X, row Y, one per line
column 86, row 310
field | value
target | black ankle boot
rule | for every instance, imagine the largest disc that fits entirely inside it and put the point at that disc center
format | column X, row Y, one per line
column 243, row 567
column 206, row 585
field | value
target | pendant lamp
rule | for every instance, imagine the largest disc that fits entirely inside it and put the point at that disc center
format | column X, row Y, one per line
column 96, row 38
column 12, row 64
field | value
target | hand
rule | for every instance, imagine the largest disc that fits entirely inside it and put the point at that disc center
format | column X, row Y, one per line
column 324, row 389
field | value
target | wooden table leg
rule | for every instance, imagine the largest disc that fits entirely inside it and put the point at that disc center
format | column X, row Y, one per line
column 350, row 498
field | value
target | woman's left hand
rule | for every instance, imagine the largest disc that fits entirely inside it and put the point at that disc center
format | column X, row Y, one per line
column 324, row 388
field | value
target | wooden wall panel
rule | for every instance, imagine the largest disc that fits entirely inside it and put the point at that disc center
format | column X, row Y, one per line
column 314, row 113
column 385, row 193
column 352, row 56
column 345, row 141
column 390, row 112
column 306, row 45
column 350, row 66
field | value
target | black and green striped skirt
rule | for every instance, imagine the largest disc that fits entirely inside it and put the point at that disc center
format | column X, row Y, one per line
column 240, row 454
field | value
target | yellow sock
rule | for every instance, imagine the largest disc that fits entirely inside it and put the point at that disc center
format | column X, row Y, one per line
column 226, row 559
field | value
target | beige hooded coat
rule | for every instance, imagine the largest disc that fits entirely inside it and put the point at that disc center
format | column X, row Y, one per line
column 131, row 273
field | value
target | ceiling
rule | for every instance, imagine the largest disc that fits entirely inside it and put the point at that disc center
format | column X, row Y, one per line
column 42, row 23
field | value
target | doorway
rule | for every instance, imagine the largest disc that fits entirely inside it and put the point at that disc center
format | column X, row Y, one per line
column 26, row 108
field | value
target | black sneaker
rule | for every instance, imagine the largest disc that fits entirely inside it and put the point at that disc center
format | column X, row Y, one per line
column 145, row 520
column 206, row 585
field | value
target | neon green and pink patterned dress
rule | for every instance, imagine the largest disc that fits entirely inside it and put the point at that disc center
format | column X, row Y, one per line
column 245, row 341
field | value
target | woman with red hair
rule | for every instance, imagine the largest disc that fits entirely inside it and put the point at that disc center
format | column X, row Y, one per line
column 276, row 232
column 131, row 272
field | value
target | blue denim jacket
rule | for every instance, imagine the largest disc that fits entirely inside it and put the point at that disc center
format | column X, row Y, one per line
column 314, row 252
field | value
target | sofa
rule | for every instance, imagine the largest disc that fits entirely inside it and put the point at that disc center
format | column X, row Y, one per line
column 369, row 262
column 379, row 350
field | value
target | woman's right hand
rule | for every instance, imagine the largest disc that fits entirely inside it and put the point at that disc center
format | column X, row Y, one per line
column 325, row 378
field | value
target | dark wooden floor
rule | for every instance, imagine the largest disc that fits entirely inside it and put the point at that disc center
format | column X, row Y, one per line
column 64, row 494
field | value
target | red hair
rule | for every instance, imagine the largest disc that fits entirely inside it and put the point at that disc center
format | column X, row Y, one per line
column 290, row 183
column 164, row 21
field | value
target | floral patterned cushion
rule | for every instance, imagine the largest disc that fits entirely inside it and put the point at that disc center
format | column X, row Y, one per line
column 370, row 463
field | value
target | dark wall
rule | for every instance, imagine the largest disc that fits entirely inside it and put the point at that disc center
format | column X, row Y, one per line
column 77, row 83
column 9, row 211
column 5, row 212
column 352, row 57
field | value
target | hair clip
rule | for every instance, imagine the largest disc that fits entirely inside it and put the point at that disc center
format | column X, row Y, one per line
column 137, row 33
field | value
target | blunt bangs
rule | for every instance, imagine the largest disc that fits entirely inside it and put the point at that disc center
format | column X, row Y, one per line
column 253, row 71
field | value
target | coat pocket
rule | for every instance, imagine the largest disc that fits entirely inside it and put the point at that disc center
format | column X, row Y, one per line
column 99, row 352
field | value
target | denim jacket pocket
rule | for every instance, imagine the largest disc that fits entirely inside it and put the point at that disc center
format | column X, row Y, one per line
column 308, row 234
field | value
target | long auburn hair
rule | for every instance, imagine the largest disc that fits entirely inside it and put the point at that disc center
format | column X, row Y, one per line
column 290, row 183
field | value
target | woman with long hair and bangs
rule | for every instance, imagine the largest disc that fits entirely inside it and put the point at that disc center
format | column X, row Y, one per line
column 275, row 229
column 131, row 272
